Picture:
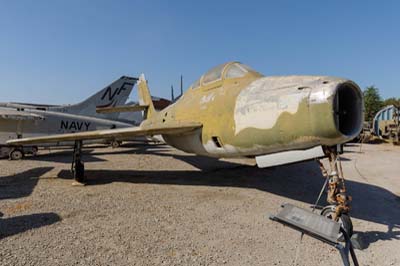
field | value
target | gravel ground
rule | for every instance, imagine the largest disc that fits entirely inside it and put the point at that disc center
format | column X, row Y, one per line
column 172, row 208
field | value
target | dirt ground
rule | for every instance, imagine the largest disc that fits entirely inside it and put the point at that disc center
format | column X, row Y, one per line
column 172, row 208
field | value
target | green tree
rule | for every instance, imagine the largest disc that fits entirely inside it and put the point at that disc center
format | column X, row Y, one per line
column 392, row 101
column 372, row 102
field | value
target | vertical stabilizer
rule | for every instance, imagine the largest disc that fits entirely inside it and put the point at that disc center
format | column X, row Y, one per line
column 145, row 97
column 115, row 94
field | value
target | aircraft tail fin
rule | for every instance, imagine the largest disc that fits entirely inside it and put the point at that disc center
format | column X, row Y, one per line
column 115, row 94
column 145, row 97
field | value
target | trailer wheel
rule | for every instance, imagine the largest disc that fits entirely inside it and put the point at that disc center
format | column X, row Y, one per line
column 34, row 151
column 16, row 154
column 115, row 144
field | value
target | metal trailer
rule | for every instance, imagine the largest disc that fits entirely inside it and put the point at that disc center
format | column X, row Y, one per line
column 386, row 124
column 17, row 153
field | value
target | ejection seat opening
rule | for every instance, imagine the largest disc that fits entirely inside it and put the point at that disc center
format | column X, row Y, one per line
column 348, row 109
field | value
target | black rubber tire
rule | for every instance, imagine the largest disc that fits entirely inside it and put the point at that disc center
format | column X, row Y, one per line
column 35, row 151
column 79, row 174
column 115, row 144
column 344, row 220
column 16, row 155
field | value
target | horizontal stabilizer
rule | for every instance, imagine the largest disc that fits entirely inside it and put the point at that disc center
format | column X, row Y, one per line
column 287, row 157
column 121, row 133
column 10, row 114
column 120, row 109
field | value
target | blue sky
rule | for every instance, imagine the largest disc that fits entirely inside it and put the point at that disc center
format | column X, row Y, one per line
column 63, row 51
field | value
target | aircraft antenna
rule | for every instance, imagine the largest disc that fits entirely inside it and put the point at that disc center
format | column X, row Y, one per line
column 181, row 85
column 172, row 93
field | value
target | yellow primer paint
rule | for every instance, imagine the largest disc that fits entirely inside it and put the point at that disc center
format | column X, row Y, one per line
column 279, row 115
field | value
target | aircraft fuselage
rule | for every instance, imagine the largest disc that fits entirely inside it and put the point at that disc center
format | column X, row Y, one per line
column 53, row 123
column 255, row 115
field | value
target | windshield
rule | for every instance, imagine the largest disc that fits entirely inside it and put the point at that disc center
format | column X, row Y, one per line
column 196, row 84
column 214, row 74
column 231, row 70
column 236, row 71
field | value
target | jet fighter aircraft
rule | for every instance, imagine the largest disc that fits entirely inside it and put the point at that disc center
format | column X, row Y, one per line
column 19, row 120
column 234, row 111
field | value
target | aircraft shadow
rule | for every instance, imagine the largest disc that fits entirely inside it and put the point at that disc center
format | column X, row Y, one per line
column 21, row 184
column 19, row 224
column 65, row 156
column 139, row 149
column 301, row 182
column 89, row 154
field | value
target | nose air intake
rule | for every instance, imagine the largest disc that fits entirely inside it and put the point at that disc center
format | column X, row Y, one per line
column 348, row 109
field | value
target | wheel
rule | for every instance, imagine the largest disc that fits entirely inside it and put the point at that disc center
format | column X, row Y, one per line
column 16, row 154
column 115, row 144
column 34, row 151
column 344, row 221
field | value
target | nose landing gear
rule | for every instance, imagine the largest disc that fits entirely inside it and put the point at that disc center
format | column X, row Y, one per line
column 337, row 197
column 335, row 231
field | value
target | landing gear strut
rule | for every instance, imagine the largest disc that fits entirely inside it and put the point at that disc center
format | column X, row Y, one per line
column 78, row 167
column 339, row 201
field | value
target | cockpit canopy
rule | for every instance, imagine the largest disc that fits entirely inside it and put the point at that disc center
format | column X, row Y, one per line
column 224, row 71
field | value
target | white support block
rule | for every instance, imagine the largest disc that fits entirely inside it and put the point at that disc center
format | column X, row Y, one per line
column 287, row 157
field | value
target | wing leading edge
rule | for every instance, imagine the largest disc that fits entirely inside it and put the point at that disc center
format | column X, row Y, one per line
column 123, row 108
column 170, row 128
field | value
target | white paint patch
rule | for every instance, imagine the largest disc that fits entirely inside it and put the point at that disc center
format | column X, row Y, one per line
column 206, row 99
column 318, row 97
column 260, row 105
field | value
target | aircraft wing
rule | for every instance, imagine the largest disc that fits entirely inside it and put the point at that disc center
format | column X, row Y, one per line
column 166, row 129
column 12, row 114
